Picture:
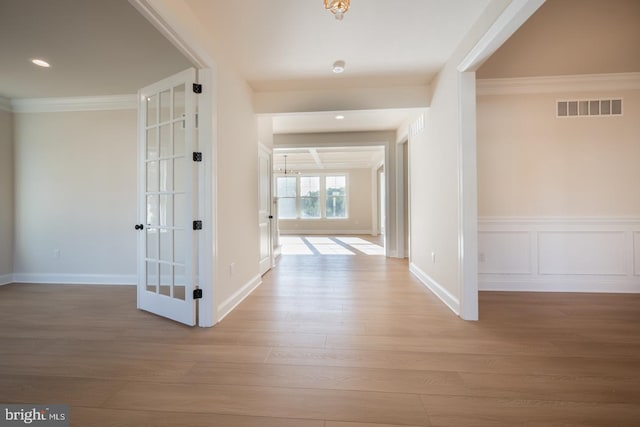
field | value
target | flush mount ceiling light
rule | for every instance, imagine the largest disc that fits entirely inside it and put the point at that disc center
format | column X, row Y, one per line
column 338, row 67
column 41, row 63
column 339, row 117
column 337, row 7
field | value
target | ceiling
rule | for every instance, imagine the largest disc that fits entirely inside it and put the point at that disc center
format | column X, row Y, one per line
column 304, row 159
column 95, row 47
column 292, row 44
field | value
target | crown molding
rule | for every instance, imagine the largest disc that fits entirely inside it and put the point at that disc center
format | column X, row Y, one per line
column 81, row 103
column 555, row 84
column 5, row 104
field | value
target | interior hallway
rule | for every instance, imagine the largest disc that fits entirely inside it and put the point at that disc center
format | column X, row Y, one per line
column 325, row 341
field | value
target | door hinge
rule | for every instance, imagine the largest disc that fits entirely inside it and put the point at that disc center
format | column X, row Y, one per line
column 197, row 88
column 197, row 294
column 197, row 156
column 197, row 225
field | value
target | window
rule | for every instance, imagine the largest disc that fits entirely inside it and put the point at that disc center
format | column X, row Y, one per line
column 309, row 197
column 336, row 190
column 286, row 189
column 312, row 196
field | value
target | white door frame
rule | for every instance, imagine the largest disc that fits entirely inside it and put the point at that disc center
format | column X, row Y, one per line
column 264, row 150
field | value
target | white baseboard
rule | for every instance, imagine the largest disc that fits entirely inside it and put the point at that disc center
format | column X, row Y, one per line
column 76, row 279
column 298, row 232
column 5, row 279
column 560, row 284
column 232, row 302
column 450, row 300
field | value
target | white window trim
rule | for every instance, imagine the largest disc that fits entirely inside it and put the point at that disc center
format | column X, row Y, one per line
column 322, row 196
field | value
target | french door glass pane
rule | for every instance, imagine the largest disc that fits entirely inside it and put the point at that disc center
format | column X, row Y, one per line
column 152, row 276
column 166, row 210
column 152, row 143
column 152, row 243
column 166, row 175
column 166, row 149
column 153, row 214
column 178, row 174
column 178, row 212
column 166, row 245
column 152, row 110
column 178, row 138
column 165, row 106
column 165, row 279
column 153, row 176
column 179, row 282
column 178, row 101
column 178, row 246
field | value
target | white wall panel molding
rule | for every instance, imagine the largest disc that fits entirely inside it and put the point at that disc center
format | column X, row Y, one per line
column 556, row 84
column 76, row 279
column 559, row 254
column 232, row 302
column 82, row 103
column 440, row 291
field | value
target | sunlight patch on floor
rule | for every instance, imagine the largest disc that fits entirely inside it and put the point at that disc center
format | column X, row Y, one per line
column 319, row 245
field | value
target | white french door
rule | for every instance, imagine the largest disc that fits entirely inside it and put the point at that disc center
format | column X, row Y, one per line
column 167, row 192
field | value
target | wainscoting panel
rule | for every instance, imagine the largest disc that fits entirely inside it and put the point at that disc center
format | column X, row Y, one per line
column 504, row 252
column 559, row 254
column 582, row 252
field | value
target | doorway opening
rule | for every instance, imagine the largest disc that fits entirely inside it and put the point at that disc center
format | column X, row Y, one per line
column 328, row 193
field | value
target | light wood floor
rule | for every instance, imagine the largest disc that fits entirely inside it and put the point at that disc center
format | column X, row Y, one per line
column 325, row 341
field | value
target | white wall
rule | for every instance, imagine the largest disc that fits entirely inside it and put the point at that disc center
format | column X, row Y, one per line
column 75, row 197
column 238, row 239
column 6, row 196
column 359, row 208
column 558, row 197
column 440, row 250
column 531, row 163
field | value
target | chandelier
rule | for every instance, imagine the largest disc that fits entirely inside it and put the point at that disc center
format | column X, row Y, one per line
column 288, row 171
column 337, row 7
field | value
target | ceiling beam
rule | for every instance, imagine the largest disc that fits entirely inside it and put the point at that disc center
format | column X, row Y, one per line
column 316, row 157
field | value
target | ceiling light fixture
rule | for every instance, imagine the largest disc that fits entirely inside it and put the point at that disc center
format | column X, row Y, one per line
column 337, row 7
column 288, row 171
column 339, row 117
column 41, row 63
column 338, row 67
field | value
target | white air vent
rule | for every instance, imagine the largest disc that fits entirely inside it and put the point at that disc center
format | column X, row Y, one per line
column 589, row 107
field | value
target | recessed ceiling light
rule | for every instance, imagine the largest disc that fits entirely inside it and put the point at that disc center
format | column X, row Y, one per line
column 41, row 63
column 339, row 117
column 338, row 66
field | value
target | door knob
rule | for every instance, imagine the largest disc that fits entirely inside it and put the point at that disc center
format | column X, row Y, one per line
column 139, row 227
column 270, row 216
